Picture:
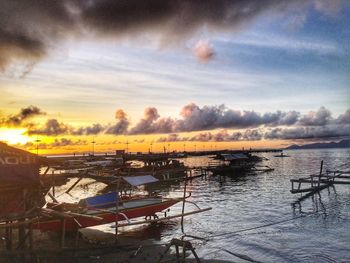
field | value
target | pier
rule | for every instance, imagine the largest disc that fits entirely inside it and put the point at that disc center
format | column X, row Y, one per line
column 315, row 183
column 150, row 156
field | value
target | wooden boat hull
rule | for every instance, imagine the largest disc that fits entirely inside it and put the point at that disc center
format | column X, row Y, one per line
column 77, row 222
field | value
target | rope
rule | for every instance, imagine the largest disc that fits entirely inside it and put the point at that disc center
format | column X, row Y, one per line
column 257, row 227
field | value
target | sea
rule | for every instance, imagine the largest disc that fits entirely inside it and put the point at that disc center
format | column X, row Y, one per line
column 254, row 217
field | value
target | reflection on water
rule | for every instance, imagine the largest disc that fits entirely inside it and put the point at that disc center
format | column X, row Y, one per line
column 257, row 216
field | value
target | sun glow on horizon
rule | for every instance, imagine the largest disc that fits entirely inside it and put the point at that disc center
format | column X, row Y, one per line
column 14, row 136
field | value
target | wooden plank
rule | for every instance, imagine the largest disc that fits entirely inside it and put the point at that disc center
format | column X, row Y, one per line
column 311, row 189
column 341, row 182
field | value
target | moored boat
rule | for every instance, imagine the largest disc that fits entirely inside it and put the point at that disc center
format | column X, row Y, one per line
column 231, row 163
column 103, row 213
column 104, row 209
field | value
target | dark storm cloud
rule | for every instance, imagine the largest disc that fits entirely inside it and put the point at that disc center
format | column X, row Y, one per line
column 24, row 114
column 30, row 29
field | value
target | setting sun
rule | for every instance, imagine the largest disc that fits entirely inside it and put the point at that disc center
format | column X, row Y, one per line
column 13, row 136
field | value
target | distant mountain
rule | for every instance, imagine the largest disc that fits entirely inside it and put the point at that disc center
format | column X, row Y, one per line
column 341, row 144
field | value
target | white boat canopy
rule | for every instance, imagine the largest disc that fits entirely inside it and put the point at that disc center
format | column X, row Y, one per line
column 140, row 179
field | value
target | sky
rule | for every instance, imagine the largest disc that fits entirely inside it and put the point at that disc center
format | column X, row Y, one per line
column 173, row 75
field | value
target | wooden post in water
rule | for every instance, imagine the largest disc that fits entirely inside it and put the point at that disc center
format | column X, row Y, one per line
column 319, row 176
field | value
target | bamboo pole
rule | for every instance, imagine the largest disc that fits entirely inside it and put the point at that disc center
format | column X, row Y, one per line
column 68, row 214
column 117, row 209
column 52, row 197
column 70, row 188
column 183, row 205
column 166, row 218
column 53, row 183
column 17, row 224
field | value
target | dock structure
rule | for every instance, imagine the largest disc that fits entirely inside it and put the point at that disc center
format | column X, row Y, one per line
column 150, row 156
column 315, row 183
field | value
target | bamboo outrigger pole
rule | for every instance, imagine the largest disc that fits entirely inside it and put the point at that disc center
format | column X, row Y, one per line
column 166, row 218
column 183, row 205
column 117, row 209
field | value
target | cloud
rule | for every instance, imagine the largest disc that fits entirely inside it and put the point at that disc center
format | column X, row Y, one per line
column 30, row 29
column 24, row 114
column 315, row 132
column 139, row 140
column 318, row 118
column 248, row 125
column 57, row 143
column 344, row 118
column 122, row 125
column 225, row 136
column 51, row 127
column 147, row 124
column 221, row 136
column 94, row 129
column 67, row 142
column 174, row 137
column 328, row 7
column 195, row 118
column 204, row 51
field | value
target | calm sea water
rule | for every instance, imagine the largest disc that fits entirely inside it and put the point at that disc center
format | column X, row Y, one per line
column 256, row 216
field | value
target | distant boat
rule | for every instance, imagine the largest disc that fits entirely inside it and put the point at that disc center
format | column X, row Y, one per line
column 231, row 163
column 281, row 155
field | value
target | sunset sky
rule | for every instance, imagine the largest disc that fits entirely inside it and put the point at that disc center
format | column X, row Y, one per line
column 174, row 74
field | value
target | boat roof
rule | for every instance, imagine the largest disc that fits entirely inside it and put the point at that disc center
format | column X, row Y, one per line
column 140, row 179
column 234, row 156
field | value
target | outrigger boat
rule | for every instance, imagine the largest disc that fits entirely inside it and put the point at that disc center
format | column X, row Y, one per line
column 231, row 163
column 109, row 208
column 281, row 155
